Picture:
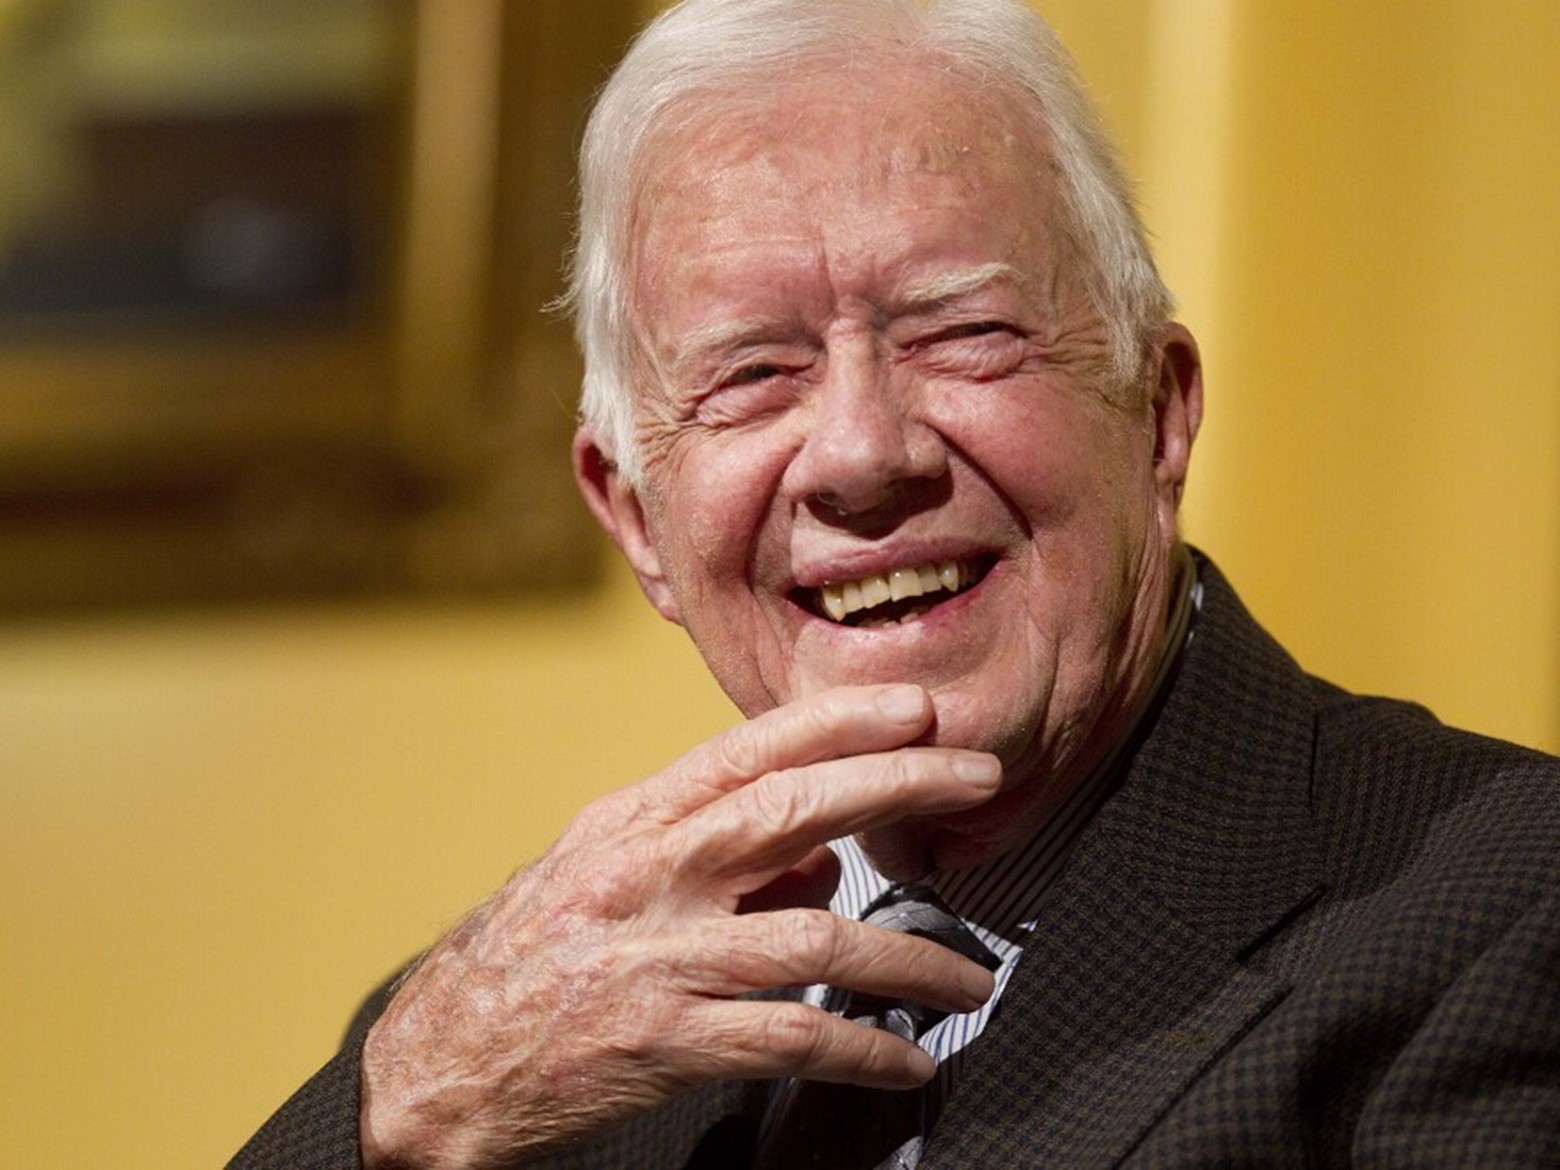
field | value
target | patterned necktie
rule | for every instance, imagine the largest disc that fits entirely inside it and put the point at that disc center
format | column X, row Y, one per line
column 847, row 1127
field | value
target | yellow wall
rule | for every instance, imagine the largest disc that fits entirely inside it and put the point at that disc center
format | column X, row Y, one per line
column 1356, row 204
column 216, row 830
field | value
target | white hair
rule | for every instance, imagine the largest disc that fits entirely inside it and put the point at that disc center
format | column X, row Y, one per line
column 705, row 53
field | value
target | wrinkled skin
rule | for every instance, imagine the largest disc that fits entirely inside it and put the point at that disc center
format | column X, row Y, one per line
column 599, row 980
column 864, row 347
column 860, row 347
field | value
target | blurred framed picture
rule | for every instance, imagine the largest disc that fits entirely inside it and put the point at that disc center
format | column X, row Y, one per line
column 273, row 279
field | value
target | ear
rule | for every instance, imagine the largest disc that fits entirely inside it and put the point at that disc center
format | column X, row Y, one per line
column 617, row 509
column 1178, row 407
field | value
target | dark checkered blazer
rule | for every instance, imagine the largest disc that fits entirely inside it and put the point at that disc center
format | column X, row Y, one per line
column 1310, row 929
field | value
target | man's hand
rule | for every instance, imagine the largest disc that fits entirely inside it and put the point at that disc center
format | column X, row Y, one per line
column 603, row 979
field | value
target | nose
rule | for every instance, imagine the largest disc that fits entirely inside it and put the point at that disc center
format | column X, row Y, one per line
column 864, row 446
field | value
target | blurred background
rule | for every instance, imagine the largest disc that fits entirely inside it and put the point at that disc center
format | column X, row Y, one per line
column 304, row 641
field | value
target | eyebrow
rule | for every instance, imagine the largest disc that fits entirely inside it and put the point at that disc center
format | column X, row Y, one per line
column 724, row 334
column 948, row 286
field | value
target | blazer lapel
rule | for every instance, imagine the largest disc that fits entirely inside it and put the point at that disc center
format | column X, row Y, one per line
column 1136, row 978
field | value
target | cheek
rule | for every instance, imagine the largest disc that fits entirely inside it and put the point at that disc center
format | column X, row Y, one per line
column 714, row 513
column 1077, row 477
column 720, row 524
column 1043, row 448
column 1090, row 466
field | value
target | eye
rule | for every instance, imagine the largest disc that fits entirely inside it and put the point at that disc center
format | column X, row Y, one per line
column 976, row 350
column 967, row 329
column 748, row 375
column 748, row 393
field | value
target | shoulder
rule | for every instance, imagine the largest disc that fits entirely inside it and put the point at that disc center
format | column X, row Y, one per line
column 1424, row 994
column 1388, row 785
column 1396, row 791
column 1418, row 1025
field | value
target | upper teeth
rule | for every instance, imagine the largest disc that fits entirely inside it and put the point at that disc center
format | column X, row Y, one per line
column 841, row 598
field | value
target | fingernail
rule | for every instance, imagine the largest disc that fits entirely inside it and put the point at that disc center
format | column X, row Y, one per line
column 921, row 1065
column 902, row 704
column 982, row 771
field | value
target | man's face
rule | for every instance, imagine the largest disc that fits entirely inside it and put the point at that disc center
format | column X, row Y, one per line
column 868, row 365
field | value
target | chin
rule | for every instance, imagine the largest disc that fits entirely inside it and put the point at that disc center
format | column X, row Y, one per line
column 950, row 851
column 964, row 721
column 900, row 852
column 911, row 849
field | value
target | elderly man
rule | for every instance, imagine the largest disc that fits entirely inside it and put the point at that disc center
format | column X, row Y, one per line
column 885, row 408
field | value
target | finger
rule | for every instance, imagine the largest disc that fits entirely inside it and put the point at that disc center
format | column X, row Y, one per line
column 758, row 831
column 810, row 882
column 797, row 948
column 844, row 721
column 764, row 1039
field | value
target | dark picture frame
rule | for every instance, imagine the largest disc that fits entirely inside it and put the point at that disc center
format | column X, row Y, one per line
column 397, row 427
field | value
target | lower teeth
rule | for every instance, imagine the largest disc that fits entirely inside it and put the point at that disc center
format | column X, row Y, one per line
column 904, row 619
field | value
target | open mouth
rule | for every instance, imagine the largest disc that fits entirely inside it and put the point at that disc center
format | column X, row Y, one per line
column 888, row 599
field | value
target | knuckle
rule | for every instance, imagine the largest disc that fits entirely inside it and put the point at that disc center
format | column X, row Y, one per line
column 812, row 938
column 907, row 775
column 597, row 819
column 759, row 745
column 644, row 1032
column 742, row 750
column 797, row 1033
column 834, row 713
column 903, row 767
column 827, row 712
column 780, row 799
column 597, row 885
column 612, row 892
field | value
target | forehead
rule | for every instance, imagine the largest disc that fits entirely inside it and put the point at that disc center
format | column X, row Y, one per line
column 916, row 115
column 821, row 150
